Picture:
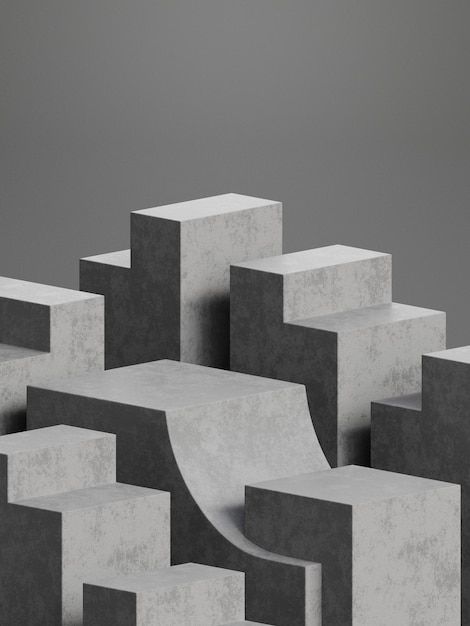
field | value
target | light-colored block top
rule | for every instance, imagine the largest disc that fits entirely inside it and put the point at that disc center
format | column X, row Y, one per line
column 121, row 258
column 353, row 485
column 459, row 355
column 49, row 437
column 314, row 259
column 165, row 385
column 207, row 207
column 35, row 293
column 13, row 353
column 166, row 577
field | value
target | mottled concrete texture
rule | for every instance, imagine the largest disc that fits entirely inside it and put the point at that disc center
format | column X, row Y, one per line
column 168, row 296
column 389, row 544
column 324, row 318
column 203, row 434
column 428, row 435
column 183, row 595
column 64, row 519
column 45, row 333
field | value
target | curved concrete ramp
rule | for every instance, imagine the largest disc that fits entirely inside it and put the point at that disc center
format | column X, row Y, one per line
column 203, row 434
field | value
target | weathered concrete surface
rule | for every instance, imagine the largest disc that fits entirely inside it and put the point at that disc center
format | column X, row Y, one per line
column 324, row 318
column 202, row 434
column 45, row 332
column 168, row 297
column 389, row 544
column 428, row 435
column 64, row 519
column 175, row 596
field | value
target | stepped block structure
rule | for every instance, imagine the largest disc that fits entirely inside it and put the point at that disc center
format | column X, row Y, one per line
column 203, row 434
column 324, row 318
column 45, row 332
column 428, row 434
column 168, row 296
column 64, row 519
column 389, row 544
column 184, row 595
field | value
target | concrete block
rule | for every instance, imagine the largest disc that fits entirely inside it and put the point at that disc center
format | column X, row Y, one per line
column 389, row 544
column 324, row 318
column 53, row 460
column 202, row 434
column 45, row 332
column 169, row 296
column 185, row 595
column 428, row 434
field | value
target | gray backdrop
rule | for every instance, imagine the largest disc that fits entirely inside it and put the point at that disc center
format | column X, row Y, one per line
column 354, row 113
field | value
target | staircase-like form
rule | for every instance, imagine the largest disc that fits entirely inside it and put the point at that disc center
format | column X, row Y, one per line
column 45, row 332
column 324, row 318
column 428, row 434
column 64, row 519
column 352, row 540
column 168, row 296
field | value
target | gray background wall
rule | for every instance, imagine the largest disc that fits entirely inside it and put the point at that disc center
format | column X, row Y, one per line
column 355, row 113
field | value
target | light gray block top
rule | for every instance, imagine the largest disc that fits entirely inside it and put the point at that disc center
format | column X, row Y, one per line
column 352, row 485
column 245, row 623
column 12, row 353
column 412, row 402
column 459, row 355
column 121, row 258
column 176, row 576
column 165, row 385
column 207, row 207
column 366, row 317
column 48, row 438
column 36, row 293
column 314, row 259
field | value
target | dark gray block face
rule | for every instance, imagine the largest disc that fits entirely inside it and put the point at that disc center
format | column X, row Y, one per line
column 389, row 544
column 45, row 333
column 63, row 519
column 202, row 434
column 429, row 435
column 175, row 596
column 324, row 318
column 168, row 296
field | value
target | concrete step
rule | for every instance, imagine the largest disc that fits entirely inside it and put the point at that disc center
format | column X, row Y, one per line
column 389, row 544
column 183, row 595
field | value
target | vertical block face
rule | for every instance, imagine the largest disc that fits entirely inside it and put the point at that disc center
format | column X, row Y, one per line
column 176, row 596
column 372, row 531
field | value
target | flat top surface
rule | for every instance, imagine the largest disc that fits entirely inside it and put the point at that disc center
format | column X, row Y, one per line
column 165, row 385
column 206, row 207
column 175, row 576
column 90, row 497
column 121, row 258
column 314, row 259
column 412, row 401
column 49, row 437
column 11, row 353
column 36, row 293
column 367, row 317
column 352, row 485
column 460, row 355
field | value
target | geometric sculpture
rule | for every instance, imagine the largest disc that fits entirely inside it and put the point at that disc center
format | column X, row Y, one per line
column 45, row 332
column 63, row 519
column 168, row 296
column 371, row 531
column 428, row 434
column 174, row 596
column 324, row 318
column 203, row 434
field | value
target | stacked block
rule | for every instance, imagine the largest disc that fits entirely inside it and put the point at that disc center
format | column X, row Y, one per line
column 203, row 434
column 45, row 332
column 389, row 544
column 324, row 318
column 168, row 296
column 63, row 519
column 428, row 434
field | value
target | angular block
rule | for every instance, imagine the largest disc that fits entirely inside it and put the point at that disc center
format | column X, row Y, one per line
column 202, row 434
column 45, row 332
column 182, row 595
column 168, row 297
column 324, row 318
column 389, row 544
